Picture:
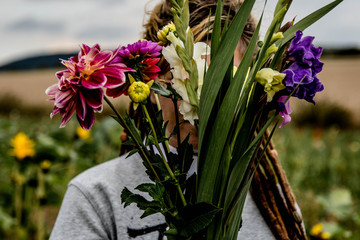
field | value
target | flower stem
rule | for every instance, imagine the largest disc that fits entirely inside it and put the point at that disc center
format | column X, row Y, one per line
column 163, row 158
column 159, row 108
column 142, row 152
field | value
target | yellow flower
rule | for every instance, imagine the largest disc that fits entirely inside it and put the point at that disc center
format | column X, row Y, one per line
column 82, row 133
column 23, row 146
column 325, row 235
column 161, row 35
column 316, row 230
column 45, row 165
column 139, row 91
column 271, row 80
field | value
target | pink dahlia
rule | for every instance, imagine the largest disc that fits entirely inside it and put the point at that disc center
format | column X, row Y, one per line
column 92, row 69
column 71, row 98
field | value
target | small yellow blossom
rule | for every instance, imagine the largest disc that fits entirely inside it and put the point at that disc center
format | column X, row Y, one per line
column 83, row 134
column 139, row 92
column 325, row 235
column 271, row 80
column 161, row 35
column 45, row 165
column 23, row 146
column 316, row 230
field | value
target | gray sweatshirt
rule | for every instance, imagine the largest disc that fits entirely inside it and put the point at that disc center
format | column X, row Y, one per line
column 92, row 209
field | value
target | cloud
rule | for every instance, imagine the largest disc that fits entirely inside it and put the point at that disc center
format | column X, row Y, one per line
column 31, row 24
column 102, row 32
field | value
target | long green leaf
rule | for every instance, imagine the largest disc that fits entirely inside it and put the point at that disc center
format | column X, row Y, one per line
column 216, row 32
column 241, row 166
column 215, row 74
column 235, row 221
column 212, row 156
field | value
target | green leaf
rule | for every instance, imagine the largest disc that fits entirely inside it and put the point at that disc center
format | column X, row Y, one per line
column 149, row 211
column 160, row 89
column 131, row 127
column 156, row 191
column 197, row 217
column 179, row 27
column 191, row 93
column 185, row 15
column 215, row 75
column 189, row 43
column 127, row 198
column 218, row 136
column 216, row 33
column 184, row 58
column 242, row 164
column 132, row 152
column 236, row 218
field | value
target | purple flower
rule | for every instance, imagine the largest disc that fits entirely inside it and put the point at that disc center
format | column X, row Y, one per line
column 301, row 79
column 285, row 110
column 70, row 98
column 140, row 56
column 302, row 82
column 302, row 51
column 140, row 49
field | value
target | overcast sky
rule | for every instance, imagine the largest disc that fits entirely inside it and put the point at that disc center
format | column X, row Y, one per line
column 32, row 27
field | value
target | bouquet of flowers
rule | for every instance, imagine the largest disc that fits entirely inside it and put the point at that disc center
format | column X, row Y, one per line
column 231, row 110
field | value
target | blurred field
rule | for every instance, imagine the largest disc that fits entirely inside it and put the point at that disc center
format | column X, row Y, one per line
column 319, row 150
column 340, row 77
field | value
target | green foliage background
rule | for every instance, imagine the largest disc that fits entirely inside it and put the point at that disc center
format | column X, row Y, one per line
column 321, row 162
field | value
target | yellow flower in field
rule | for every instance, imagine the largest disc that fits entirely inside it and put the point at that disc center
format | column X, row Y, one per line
column 161, row 35
column 45, row 165
column 271, row 80
column 82, row 133
column 23, row 146
column 325, row 235
column 316, row 229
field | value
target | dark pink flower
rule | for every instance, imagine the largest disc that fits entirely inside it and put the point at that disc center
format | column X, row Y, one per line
column 70, row 98
column 92, row 69
column 150, row 70
column 140, row 56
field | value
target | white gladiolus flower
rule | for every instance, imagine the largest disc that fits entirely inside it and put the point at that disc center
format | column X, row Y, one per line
column 179, row 73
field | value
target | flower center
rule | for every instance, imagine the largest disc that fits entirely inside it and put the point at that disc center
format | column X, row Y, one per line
column 139, row 89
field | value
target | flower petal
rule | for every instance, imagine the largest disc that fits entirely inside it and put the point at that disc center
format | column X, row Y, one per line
column 95, row 80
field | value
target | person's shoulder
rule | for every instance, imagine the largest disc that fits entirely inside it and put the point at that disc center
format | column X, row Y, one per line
column 122, row 171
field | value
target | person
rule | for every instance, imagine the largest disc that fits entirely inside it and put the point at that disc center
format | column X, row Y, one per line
column 92, row 208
